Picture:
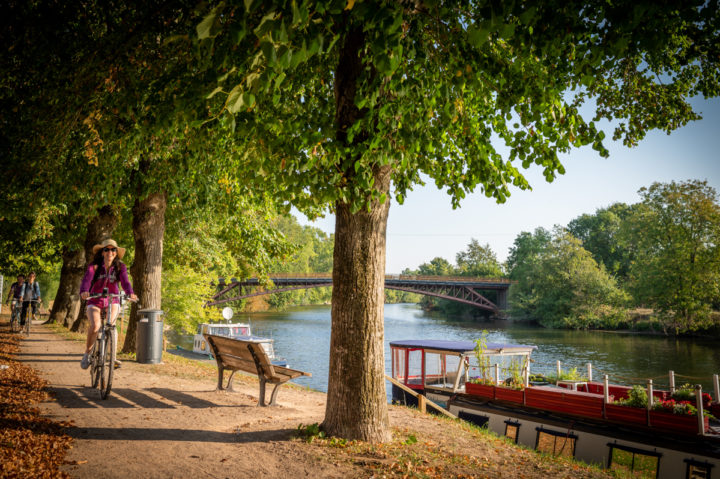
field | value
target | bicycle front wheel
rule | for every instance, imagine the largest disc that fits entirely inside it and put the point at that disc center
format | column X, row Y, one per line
column 108, row 363
column 95, row 365
column 28, row 320
column 15, row 321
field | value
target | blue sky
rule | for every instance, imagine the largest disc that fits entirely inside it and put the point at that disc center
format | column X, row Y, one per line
column 426, row 226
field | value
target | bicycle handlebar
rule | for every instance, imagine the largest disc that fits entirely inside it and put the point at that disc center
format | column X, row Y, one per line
column 109, row 295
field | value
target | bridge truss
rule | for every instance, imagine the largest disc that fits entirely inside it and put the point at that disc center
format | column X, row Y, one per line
column 458, row 289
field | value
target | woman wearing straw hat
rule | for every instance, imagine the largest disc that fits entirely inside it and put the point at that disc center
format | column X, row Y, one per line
column 105, row 271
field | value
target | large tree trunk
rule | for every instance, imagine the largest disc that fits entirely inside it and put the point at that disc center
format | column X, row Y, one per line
column 99, row 229
column 146, row 270
column 66, row 298
column 357, row 402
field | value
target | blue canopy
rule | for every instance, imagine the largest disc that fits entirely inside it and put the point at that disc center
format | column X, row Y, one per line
column 462, row 346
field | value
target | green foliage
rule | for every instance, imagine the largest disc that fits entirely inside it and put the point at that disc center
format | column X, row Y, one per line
column 184, row 292
column 601, row 234
column 562, row 286
column 478, row 261
column 569, row 375
column 483, row 360
column 637, row 397
column 676, row 235
column 310, row 432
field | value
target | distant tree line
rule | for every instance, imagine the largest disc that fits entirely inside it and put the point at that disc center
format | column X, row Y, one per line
column 661, row 254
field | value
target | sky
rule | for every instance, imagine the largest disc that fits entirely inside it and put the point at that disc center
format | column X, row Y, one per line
column 426, row 226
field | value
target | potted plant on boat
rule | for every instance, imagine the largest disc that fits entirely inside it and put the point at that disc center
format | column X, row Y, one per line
column 671, row 415
column 679, row 412
column 482, row 385
column 633, row 409
column 513, row 388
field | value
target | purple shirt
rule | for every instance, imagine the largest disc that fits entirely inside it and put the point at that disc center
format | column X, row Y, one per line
column 105, row 280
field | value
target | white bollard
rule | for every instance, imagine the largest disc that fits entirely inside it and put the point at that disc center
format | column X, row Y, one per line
column 650, row 393
column 671, row 375
column 497, row 374
column 716, row 384
column 589, row 366
column 700, row 412
column 606, row 389
column 559, row 371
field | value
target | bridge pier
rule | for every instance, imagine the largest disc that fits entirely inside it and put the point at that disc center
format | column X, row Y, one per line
column 502, row 299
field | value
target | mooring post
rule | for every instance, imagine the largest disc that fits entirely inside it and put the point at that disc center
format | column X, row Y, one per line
column 650, row 394
column 421, row 403
column 589, row 372
column 671, row 375
column 700, row 412
column 606, row 389
column 497, row 374
column 559, row 371
column 716, row 384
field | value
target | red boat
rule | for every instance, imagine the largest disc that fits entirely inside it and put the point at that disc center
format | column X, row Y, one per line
column 577, row 418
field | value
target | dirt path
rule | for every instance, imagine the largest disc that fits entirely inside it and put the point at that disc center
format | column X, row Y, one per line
column 160, row 426
column 156, row 425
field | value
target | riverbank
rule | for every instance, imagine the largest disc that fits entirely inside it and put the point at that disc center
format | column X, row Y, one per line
column 167, row 420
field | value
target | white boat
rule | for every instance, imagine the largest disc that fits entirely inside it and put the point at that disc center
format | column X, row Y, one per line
column 230, row 330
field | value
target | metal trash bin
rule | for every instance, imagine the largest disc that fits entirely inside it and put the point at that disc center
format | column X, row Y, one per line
column 149, row 337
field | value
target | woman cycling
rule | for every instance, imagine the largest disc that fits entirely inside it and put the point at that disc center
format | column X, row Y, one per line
column 105, row 271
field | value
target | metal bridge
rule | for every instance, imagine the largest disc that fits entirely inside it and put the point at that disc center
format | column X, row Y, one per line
column 453, row 288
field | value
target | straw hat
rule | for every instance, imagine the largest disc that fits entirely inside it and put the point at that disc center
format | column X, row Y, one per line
column 109, row 242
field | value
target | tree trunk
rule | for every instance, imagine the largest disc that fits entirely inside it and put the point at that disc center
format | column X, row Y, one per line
column 99, row 229
column 146, row 270
column 357, row 402
column 71, row 275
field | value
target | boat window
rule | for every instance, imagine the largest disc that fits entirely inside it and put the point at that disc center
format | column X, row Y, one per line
column 205, row 329
column 512, row 430
column 477, row 419
column 398, row 361
column 557, row 443
column 640, row 462
column 441, row 369
column 244, row 331
column 415, row 365
column 697, row 470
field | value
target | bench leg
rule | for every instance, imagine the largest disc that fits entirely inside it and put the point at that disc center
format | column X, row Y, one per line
column 273, row 395
column 220, row 378
column 261, row 400
column 229, row 386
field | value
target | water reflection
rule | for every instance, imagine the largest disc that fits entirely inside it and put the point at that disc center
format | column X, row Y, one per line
column 302, row 336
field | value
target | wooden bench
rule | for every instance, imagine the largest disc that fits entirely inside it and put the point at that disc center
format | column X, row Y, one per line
column 250, row 357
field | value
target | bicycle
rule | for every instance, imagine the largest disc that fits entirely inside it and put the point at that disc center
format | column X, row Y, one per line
column 104, row 351
column 15, row 316
column 29, row 315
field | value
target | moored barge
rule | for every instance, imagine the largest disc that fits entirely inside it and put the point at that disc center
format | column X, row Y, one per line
column 578, row 418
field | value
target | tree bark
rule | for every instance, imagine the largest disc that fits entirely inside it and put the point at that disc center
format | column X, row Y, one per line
column 99, row 229
column 71, row 275
column 356, row 403
column 148, row 230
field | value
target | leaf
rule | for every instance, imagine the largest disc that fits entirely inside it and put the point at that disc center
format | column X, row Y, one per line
column 214, row 92
column 206, row 28
column 350, row 5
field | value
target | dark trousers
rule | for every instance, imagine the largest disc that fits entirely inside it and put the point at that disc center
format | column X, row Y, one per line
column 25, row 305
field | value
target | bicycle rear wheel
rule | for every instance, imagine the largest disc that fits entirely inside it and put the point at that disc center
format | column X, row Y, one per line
column 107, row 363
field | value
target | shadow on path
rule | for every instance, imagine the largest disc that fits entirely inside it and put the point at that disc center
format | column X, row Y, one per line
column 171, row 434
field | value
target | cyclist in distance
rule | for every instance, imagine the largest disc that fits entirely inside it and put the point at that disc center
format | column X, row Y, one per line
column 14, row 293
column 30, row 294
column 105, row 271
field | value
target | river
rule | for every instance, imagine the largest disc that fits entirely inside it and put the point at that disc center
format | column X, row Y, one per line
column 302, row 337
